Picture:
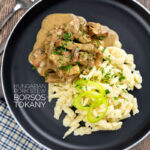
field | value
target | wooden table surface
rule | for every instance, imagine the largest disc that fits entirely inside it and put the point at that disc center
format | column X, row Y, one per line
column 145, row 144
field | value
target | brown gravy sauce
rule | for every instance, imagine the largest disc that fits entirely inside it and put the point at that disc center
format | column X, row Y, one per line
column 58, row 19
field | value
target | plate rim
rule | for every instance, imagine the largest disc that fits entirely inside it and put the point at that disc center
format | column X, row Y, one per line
column 2, row 81
column 5, row 97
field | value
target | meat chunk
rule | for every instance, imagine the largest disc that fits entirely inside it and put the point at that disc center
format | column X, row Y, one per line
column 95, row 29
column 44, row 67
column 36, row 57
column 92, row 54
column 71, row 46
column 82, row 37
column 39, row 59
column 54, row 35
column 83, row 58
column 75, row 55
column 53, row 78
column 98, row 58
column 74, row 70
column 68, row 72
column 111, row 38
column 87, row 59
column 61, row 59
column 73, row 26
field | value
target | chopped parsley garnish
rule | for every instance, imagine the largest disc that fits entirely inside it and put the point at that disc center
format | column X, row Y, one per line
column 67, row 62
column 61, row 58
column 78, row 86
column 70, row 57
column 107, row 91
column 86, row 88
column 102, row 70
column 103, row 50
column 84, row 78
column 108, row 58
column 58, row 35
column 113, row 76
column 55, row 53
column 117, row 85
column 68, row 36
column 34, row 68
column 83, row 33
column 62, row 64
column 77, row 63
column 107, row 76
column 66, row 68
column 87, row 105
column 123, row 90
column 98, row 43
column 101, row 38
column 115, row 98
column 63, row 49
column 64, row 25
column 46, row 75
column 95, row 77
column 82, row 55
column 121, row 76
column 57, row 48
column 64, row 44
column 77, row 48
column 97, row 90
column 107, row 82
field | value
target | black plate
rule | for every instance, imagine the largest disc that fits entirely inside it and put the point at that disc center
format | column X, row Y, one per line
column 130, row 20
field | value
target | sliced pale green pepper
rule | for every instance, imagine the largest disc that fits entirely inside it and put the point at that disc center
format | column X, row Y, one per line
column 94, row 84
column 89, row 94
column 92, row 118
column 98, row 95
